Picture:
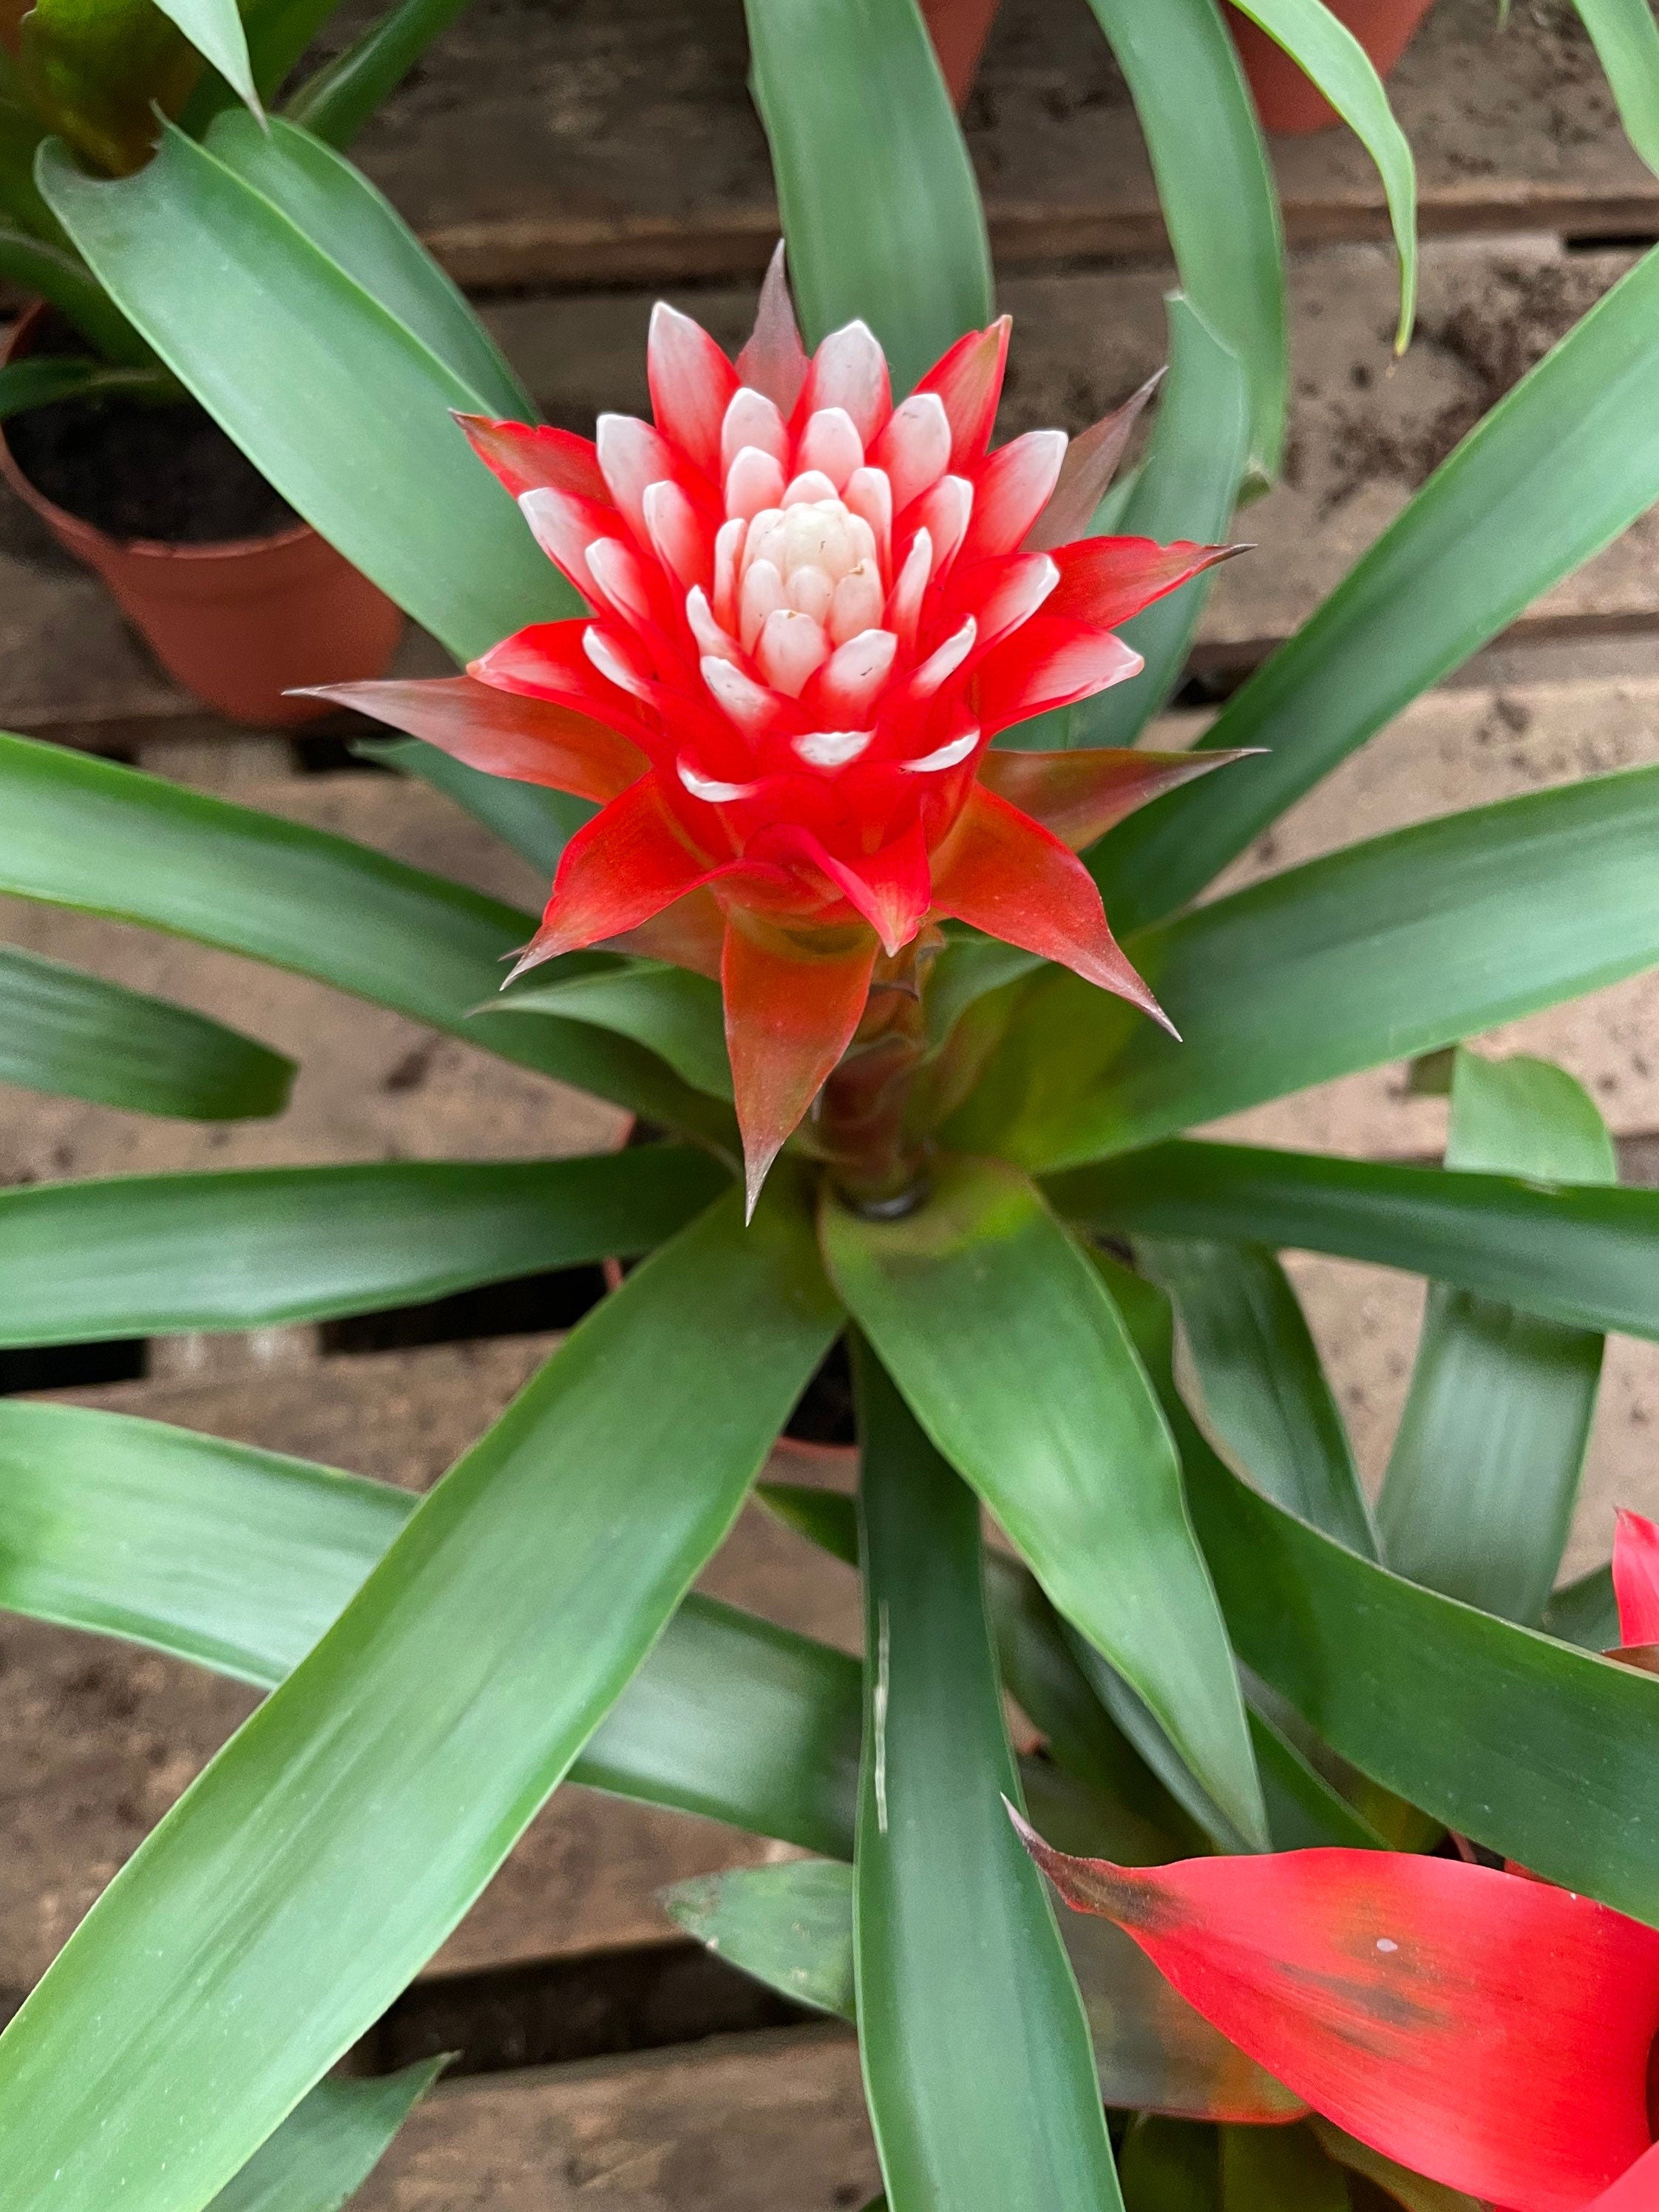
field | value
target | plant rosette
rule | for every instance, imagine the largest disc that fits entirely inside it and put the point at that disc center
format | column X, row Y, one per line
column 241, row 624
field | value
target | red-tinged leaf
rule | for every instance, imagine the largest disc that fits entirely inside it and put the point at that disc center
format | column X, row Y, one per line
column 1002, row 872
column 1081, row 794
column 773, row 361
column 625, row 865
column 1105, row 581
column 791, row 1011
column 548, row 660
column 690, row 934
column 525, row 457
column 1636, row 1579
column 528, row 740
column 1052, row 660
column 969, row 381
column 691, row 385
column 1086, row 473
column 1637, row 2189
column 1487, row 2030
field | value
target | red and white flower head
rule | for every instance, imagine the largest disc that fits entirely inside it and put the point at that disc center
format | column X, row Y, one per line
column 812, row 611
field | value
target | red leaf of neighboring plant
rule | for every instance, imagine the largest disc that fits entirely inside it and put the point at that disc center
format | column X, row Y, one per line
column 812, row 611
column 1489, row 2030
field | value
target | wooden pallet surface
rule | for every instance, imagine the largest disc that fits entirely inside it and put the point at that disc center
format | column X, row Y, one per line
column 613, row 140
column 740, row 2123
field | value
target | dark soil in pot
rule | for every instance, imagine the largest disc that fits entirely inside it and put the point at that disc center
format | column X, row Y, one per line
column 166, row 472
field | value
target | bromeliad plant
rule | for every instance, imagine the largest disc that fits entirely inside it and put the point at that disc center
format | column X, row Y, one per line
column 103, row 80
column 827, row 665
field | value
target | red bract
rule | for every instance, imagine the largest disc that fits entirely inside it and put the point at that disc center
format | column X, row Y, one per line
column 812, row 611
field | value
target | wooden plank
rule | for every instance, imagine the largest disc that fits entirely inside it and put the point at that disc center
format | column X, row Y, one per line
column 740, row 2123
column 613, row 142
column 97, row 1739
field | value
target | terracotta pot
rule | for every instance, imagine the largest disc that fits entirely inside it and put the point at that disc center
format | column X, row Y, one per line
column 959, row 28
column 238, row 623
column 1285, row 100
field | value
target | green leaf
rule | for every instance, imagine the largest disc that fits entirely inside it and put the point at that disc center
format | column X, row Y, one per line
column 978, row 2073
column 1264, row 1389
column 44, row 377
column 1214, row 186
column 1627, row 44
column 1584, row 1255
column 329, row 2143
column 337, row 208
column 342, row 407
column 1545, row 1754
column 1136, row 1820
column 1279, row 2169
column 144, row 1255
column 828, row 1518
column 340, row 99
column 672, row 1013
column 88, row 834
column 80, row 1037
column 1585, row 1611
column 792, row 1927
column 537, row 823
column 1413, row 2191
column 1171, row 2166
column 214, row 28
column 1394, row 946
column 101, row 72
column 343, row 1830
column 1564, row 463
column 278, row 32
column 1326, row 51
column 880, row 207
column 1484, row 1473
column 966, row 1300
column 239, row 1559
column 1304, row 1811
column 789, row 1926
column 1187, row 488
column 36, row 265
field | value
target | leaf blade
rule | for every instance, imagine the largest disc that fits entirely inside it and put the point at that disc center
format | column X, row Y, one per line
column 1583, row 1255
column 254, row 1248
column 990, row 2095
column 89, row 834
column 881, row 212
column 965, row 1298
column 1484, row 1473
column 1397, row 945
column 393, row 1770
column 1262, row 1383
column 239, row 1559
column 1215, row 187
column 329, row 2144
column 78, row 1036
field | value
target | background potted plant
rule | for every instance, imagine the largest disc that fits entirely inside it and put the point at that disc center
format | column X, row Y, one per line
column 437, row 1668
column 239, row 598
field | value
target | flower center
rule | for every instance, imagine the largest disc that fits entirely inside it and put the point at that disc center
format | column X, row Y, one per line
column 814, row 557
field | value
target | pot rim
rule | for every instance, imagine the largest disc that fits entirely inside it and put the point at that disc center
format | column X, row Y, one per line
column 64, row 518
